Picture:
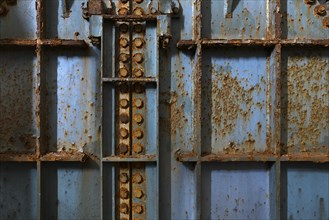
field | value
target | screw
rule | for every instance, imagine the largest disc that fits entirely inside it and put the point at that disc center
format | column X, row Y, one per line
column 138, row 103
column 124, row 42
column 138, row 133
column 124, row 118
column 124, row 103
column 124, row 88
column 123, row 72
column 138, row 118
column 138, row 1
column 123, row 11
column 325, row 22
column 123, row 148
column 138, row 28
column 138, row 57
column 138, row 72
column 137, row 178
column 138, row 193
column 124, row 208
column 124, row 178
column 137, row 148
column 138, row 11
column 124, row 193
column 123, row 57
column 138, row 42
column 138, row 209
column 320, row 10
column 124, row 133
column 309, row 2
column 124, row 28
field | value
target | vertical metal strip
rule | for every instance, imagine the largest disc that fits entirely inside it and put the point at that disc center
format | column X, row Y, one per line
column 124, row 123
column 138, row 120
column 197, row 103
column 39, row 9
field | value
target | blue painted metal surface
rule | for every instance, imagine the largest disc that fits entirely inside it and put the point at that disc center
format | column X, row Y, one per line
column 225, row 112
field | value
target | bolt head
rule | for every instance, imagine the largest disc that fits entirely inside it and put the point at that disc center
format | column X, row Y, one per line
column 123, row 88
column 124, row 103
column 320, row 10
column 123, row 72
column 137, row 178
column 123, row 11
column 124, row 42
column 138, row 88
column 124, row 133
column 138, row 11
column 138, row 193
column 124, row 208
column 138, row 148
column 138, row 57
column 123, row 28
column 138, row 72
column 124, row 118
column 124, row 178
column 138, row 28
column 138, row 133
column 325, row 22
column 138, row 42
column 123, row 148
column 138, row 209
column 123, row 57
column 124, row 193
column 138, row 103
column 138, row 118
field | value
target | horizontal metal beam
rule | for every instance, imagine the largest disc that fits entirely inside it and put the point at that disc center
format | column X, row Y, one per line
column 131, row 80
column 130, row 17
column 44, row 42
column 135, row 158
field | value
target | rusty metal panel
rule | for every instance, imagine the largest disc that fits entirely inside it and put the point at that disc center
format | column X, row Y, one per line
column 164, row 109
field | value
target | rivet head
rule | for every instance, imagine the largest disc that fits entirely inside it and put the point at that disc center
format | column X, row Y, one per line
column 138, row 11
column 138, row 118
column 123, row 72
column 138, row 42
column 124, row 42
column 124, row 103
column 138, row 103
column 137, row 148
column 320, row 10
column 123, row 57
column 138, row 57
column 138, row 209
column 138, row 193
column 138, row 28
column 138, row 1
column 124, row 208
column 124, row 193
column 124, row 133
column 123, row 148
column 123, row 28
column 138, row 88
column 124, row 118
column 138, row 133
column 137, row 178
column 124, row 178
column 138, row 72
column 123, row 11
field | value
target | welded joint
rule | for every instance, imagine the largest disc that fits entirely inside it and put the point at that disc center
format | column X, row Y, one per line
column 228, row 6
